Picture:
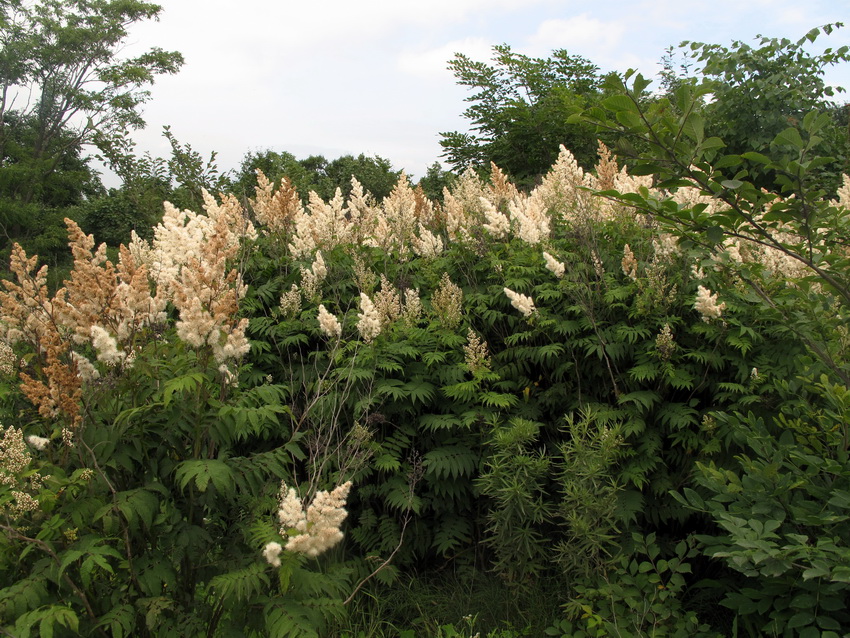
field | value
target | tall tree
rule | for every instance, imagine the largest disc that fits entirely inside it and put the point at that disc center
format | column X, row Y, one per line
column 758, row 91
column 62, row 77
column 316, row 173
column 519, row 112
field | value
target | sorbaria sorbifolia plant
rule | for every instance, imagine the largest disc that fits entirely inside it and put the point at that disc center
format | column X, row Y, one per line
column 243, row 426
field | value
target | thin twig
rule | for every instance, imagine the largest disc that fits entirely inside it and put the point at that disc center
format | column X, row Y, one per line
column 382, row 565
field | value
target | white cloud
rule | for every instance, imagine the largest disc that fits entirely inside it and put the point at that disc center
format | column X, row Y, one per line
column 432, row 63
column 582, row 34
column 297, row 26
column 339, row 76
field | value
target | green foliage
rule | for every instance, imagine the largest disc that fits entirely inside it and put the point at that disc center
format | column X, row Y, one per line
column 519, row 112
column 795, row 219
column 758, row 91
column 154, row 525
column 574, row 449
column 315, row 173
column 434, row 181
column 516, row 482
column 777, row 505
column 781, row 513
column 640, row 596
column 68, row 55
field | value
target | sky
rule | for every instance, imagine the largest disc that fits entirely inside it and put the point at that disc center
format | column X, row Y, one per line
column 336, row 77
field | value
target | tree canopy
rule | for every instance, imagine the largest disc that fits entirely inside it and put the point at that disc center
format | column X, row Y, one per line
column 756, row 92
column 65, row 86
column 316, row 173
column 519, row 112
column 62, row 77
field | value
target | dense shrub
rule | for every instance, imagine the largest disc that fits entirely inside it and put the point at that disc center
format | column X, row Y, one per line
column 545, row 384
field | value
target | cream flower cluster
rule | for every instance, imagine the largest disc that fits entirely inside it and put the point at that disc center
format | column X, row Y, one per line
column 325, row 225
column 312, row 531
column 564, row 189
column 706, row 304
column 328, row 323
column 275, row 209
column 462, row 205
column 8, row 359
column 427, row 244
column 399, row 215
column 387, row 303
column 106, row 347
column 476, row 356
column 412, row 309
column 14, row 462
column 629, row 263
column 554, row 266
column 665, row 247
column 368, row 319
column 497, row 224
column 530, row 220
column 521, row 302
column 447, row 302
column 312, row 277
column 37, row 442
column 390, row 226
column 206, row 293
column 181, row 236
column 290, row 302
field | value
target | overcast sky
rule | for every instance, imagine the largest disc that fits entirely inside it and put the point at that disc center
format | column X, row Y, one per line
column 333, row 77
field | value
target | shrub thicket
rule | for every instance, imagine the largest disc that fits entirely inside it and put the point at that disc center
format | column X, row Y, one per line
column 551, row 385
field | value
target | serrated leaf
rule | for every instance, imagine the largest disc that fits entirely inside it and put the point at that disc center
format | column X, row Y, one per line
column 420, row 391
column 187, row 383
column 203, row 472
column 450, row 461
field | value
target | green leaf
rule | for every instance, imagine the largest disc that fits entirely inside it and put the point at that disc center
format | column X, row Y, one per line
column 184, row 384
column 825, row 622
column 801, row 619
column 789, row 137
column 433, row 422
column 841, row 574
column 450, row 461
column 714, row 234
column 728, row 161
column 451, row 533
column 202, row 472
column 758, row 158
column 387, row 463
column 121, row 620
column 240, row 585
column 619, row 103
column 138, row 503
column 420, row 391
column 712, row 143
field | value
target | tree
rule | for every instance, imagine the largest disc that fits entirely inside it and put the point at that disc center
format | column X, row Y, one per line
column 435, row 180
column 316, row 173
column 519, row 112
column 147, row 182
column 61, row 76
column 756, row 92
column 375, row 174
